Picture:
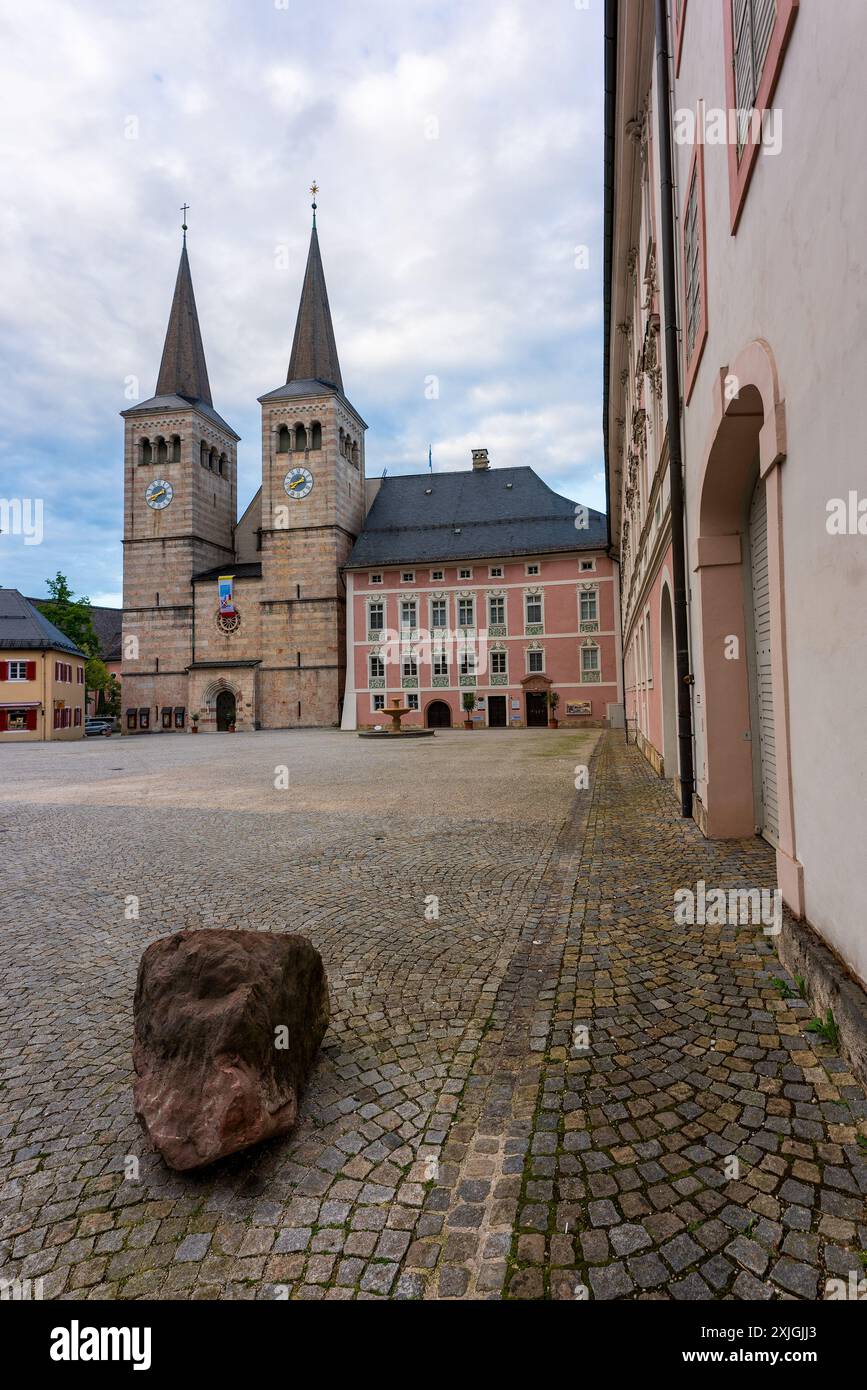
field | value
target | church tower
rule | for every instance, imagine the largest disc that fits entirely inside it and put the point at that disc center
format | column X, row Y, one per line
column 180, row 499
column 312, row 512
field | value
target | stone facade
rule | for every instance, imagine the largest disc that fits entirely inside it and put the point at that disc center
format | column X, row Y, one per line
column 277, row 660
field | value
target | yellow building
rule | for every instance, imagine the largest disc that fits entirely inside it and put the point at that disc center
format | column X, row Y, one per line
column 42, row 685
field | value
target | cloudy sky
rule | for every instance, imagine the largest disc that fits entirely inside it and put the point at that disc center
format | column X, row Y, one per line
column 458, row 149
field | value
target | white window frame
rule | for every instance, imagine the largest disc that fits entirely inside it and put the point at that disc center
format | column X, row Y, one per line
column 534, row 598
column 498, row 599
column 586, row 649
column 377, row 703
column 374, row 578
column 464, row 599
column 437, row 576
column 495, row 571
column 440, row 662
column 378, row 603
column 413, row 604
column 465, row 574
column 588, row 594
column 531, row 652
column 586, row 566
column 376, row 658
column 22, row 676
column 407, row 576
column 438, row 599
column 411, row 697
column 497, row 652
column 533, row 567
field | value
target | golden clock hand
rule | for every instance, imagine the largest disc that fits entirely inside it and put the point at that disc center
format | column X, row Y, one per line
column 297, row 483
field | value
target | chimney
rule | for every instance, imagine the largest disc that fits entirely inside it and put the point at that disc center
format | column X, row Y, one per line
column 480, row 460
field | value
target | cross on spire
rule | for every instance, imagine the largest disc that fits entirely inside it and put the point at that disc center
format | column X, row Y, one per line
column 185, row 209
column 314, row 189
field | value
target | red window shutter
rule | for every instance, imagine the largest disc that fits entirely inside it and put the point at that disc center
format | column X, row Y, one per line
column 3, row 724
column 31, row 718
column 31, row 670
column 4, row 670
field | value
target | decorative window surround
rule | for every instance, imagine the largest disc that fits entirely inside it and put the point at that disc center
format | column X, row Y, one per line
column 742, row 163
column 694, row 270
column 679, row 26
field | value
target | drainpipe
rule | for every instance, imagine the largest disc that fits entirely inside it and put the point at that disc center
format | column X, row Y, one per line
column 608, row 232
column 672, row 402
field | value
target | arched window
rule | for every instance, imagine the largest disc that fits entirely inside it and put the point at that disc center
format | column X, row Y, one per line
column 176, row 448
column 355, row 455
column 222, row 463
column 341, row 441
column 145, row 451
column 203, row 454
column 284, row 440
column 212, row 461
column 162, row 451
column 348, row 448
column 300, row 437
column 316, row 435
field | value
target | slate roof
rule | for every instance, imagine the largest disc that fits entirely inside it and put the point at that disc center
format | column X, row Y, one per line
column 107, row 624
column 314, row 351
column 22, row 625
column 424, row 517
column 175, row 402
column 183, row 376
column 249, row 569
column 183, row 371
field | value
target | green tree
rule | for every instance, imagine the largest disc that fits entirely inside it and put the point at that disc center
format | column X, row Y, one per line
column 71, row 615
column 109, row 699
column 96, row 677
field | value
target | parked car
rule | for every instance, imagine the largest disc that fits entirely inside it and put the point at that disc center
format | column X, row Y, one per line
column 97, row 726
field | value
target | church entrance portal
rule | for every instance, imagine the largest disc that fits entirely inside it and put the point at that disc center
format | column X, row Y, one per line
column 225, row 710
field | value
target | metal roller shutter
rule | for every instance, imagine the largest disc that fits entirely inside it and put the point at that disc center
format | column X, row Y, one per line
column 764, row 675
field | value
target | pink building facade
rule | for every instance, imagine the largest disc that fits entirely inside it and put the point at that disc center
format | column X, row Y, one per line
column 733, row 336
column 509, row 629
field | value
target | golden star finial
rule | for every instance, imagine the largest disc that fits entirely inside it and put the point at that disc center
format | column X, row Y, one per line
column 314, row 188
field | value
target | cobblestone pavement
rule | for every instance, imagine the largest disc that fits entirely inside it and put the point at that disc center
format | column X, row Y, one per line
column 458, row 1139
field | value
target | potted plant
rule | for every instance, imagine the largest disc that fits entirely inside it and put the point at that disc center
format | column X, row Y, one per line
column 194, row 722
column 469, row 703
column 553, row 702
column 230, row 728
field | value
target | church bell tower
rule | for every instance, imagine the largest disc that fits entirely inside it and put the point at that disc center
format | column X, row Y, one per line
column 312, row 512
column 180, row 501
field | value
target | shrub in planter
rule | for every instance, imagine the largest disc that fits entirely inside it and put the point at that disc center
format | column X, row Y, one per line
column 469, row 704
column 553, row 702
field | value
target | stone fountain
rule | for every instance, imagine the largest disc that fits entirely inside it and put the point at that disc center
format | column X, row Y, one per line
column 397, row 711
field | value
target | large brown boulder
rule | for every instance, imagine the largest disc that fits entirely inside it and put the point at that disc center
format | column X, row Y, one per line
column 227, row 1025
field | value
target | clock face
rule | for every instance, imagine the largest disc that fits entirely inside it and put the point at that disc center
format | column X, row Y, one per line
column 159, row 494
column 298, row 482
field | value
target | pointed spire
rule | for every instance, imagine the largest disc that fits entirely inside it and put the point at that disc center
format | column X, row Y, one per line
column 314, row 351
column 182, row 370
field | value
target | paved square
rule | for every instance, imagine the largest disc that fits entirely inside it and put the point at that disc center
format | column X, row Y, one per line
column 458, row 1138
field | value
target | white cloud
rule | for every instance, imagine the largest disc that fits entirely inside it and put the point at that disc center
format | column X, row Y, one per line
column 451, row 256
